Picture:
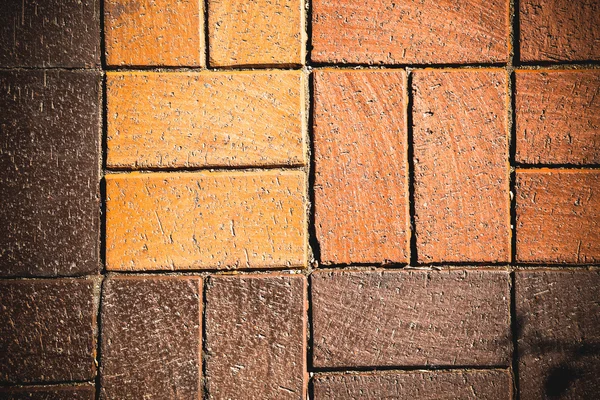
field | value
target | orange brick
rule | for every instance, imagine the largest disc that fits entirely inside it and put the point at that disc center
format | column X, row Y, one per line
column 206, row 220
column 154, row 32
column 184, row 119
column 260, row 32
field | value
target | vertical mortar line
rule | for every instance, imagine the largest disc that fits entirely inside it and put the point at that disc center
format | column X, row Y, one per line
column 205, row 33
column 413, row 261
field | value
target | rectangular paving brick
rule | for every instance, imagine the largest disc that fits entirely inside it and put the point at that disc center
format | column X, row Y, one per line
column 154, row 32
column 49, row 185
column 62, row 392
column 361, row 177
column 259, row 32
column 48, row 330
column 558, row 116
column 559, row 30
column 151, row 338
column 559, row 341
column 256, row 337
column 558, row 216
column 410, row 32
column 214, row 220
column 410, row 318
column 417, row 385
column 462, row 205
column 50, row 33
column 205, row 119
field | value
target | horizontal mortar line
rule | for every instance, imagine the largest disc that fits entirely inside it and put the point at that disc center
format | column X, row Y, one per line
column 432, row 265
column 154, row 68
column 411, row 66
column 555, row 166
column 388, row 369
column 49, row 277
column 211, row 272
column 295, row 167
column 49, row 383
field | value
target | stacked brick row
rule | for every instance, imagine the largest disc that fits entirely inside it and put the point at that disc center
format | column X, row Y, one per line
column 171, row 232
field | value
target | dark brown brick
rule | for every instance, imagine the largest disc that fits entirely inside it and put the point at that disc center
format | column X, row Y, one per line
column 361, row 188
column 462, row 206
column 256, row 337
column 418, row 385
column 558, row 216
column 151, row 338
column 64, row 392
column 49, row 152
column 410, row 318
column 558, row 313
column 410, row 31
column 559, row 30
column 48, row 330
column 558, row 116
column 50, row 33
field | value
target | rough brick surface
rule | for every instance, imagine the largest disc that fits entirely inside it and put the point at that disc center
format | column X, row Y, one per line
column 256, row 337
column 260, row 32
column 151, row 338
column 559, row 30
column 410, row 32
column 410, row 318
column 558, row 216
column 154, row 32
column 50, row 33
column 64, row 392
column 361, row 179
column 206, row 220
column 47, row 330
column 462, row 206
column 559, row 341
column 49, row 146
column 558, row 116
column 169, row 120
column 421, row 385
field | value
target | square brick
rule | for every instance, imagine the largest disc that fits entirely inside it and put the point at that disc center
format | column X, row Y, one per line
column 49, row 186
column 48, row 330
column 256, row 337
column 154, row 32
column 50, row 33
column 558, row 315
column 259, row 32
column 63, row 392
column 361, row 171
column 151, row 338
column 462, row 205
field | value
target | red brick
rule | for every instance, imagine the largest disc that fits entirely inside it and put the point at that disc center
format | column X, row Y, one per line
column 256, row 337
column 206, row 220
column 410, row 318
column 360, row 145
column 48, row 330
column 63, row 392
column 558, row 216
column 206, row 119
column 462, row 206
column 559, row 341
column 410, row 32
column 559, row 30
column 420, row 385
column 558, row 116
column 151, row 338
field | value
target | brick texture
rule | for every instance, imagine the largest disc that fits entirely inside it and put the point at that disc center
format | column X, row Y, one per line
column 421, row 385
column 154, row 32
column 48, row 330
column 206, row 220
column 49, row 186
column 50, row 33
column 410, row 318
column 189, row 119
column 361, row 179
column 260, row 32
column 64, row 392
column 558, row 116
column 558, row 216
column 151, row 338
column 256, row 337
column 559, row 30
column 409, row 32
column 559, row 342
column 462, row 206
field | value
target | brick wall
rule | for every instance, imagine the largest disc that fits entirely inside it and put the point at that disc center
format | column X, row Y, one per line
column 282, row 199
